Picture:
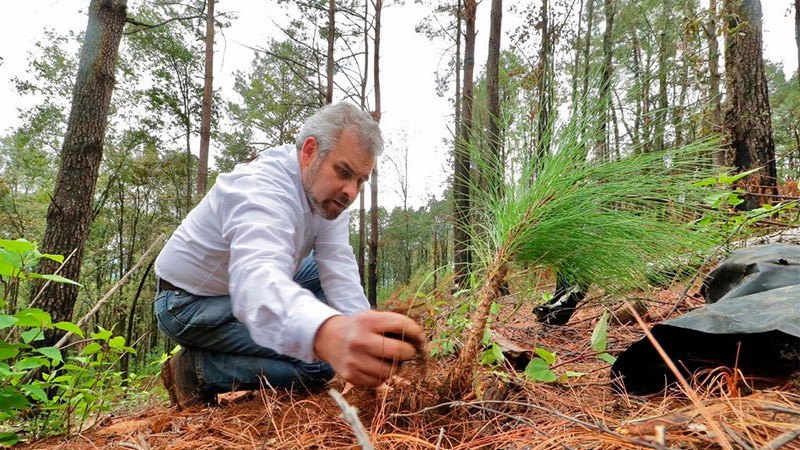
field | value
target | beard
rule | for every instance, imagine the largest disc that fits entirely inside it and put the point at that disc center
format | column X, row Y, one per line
column 318, row 206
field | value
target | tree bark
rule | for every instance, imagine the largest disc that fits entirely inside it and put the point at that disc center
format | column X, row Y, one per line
column 661, row 115
column 495, row 177
column 69, row 214
column 714, row 78
column 205, row 120
column 461, row 252
column 605, row 91
column 797, row 36
column 361, row 211
column 576, row 63
column 457, row 122
column 131, row 322
column 747, row 114
column 587, row 48
column 545, row 80
column 329, row 63
column 373, row 241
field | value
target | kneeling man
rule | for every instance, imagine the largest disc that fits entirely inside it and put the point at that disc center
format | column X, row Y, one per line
column 259, row 283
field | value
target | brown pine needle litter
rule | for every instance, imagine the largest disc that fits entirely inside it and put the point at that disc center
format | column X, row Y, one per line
column 503, row 412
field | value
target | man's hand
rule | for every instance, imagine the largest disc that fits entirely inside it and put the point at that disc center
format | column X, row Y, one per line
column 364, row 348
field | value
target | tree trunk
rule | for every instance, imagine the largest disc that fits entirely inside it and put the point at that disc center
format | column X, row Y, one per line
column 587, row 48
column 495, row 177
column 545, row 78
column 329, row 63
column 205, row 120
column 457, row 122
column 361, row 211
column 605, row 91
column 69, row 214
column 576, row 63
column 677, row 117
column 797, row 36
column 461, row 252
column 373, row 241
column 747, row 113
column 661, row 115
column 131, row 319
column 714, row 78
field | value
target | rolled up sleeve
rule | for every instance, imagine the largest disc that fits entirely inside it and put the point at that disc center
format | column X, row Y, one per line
column 260, row 225
column 338, row 270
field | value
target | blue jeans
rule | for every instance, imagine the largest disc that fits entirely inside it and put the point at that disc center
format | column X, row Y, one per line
column 226, row 358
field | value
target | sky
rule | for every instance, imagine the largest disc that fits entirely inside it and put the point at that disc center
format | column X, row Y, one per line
column 411, row 110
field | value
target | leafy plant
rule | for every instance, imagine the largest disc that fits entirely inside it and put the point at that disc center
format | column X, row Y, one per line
column 51, row 390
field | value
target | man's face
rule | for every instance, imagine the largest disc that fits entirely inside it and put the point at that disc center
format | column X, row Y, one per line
column 333, row 181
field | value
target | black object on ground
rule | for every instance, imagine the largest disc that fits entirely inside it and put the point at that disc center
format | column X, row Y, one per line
column 751, row 322
column 560, row 308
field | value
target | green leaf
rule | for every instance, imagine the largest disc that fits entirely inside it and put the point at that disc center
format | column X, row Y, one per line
column 102, row 335
column 10, row 399
column 6, row 321
column 8, row 353
column 34, row 334
column 51, row 352
column 498, row 353
column 56, row 258
column 5, row 370
column 91, row 349
column 73, row 368
column 31, row 363
column 571, row 374
column 117, row 342
column 19, row 246
column 8, row 438
column 70, row 327
column 732, row 179
column 35, row 392
column 607, row 358
column 56, row 278
column 33, row 317
column 130, row 350
column 548, row 357
column 538, row 370
column 599, row 337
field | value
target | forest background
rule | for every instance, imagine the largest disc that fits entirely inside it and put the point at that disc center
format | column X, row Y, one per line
column 663, row 60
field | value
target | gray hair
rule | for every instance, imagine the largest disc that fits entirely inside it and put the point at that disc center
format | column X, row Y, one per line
column 327, row 124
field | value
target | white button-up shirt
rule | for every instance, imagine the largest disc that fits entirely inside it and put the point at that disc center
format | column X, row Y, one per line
column 248, row 237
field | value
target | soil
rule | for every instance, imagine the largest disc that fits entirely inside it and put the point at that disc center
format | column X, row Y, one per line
column 501, row 411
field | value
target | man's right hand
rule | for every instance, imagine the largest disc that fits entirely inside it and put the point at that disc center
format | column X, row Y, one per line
column 364, row 349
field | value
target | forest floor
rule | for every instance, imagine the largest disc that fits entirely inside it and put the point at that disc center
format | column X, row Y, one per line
column 504, row 411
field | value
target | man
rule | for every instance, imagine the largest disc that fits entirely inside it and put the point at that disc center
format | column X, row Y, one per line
column 259, row 283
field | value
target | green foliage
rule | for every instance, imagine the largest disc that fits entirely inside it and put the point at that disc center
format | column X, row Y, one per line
column 43, row 389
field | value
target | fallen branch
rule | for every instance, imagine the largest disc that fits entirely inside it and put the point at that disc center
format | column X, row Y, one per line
column 350, row 415
column 782, row 440
column 113, row 289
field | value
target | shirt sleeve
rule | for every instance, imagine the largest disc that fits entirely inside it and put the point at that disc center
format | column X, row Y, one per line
column 259, row 223
column 338, row 270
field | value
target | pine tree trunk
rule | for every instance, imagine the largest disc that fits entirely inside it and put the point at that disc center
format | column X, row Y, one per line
column 747, row 114
column 373, row 242
column 361, row 236
column 605, row 91
column 457, row 121
column 587, row 48
column 797, row 36
column 361, row 211
column 329, row 62
column 495, row 177
column 205, row 120
column 461, row 254
column 545, row 79
column 576, row 63
column 661, row 115
column 69, row 214
column 714, row 78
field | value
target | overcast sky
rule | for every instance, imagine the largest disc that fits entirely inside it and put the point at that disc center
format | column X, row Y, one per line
column 408, row 61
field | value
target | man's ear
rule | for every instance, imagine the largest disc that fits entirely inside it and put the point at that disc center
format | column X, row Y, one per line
column 308, row 152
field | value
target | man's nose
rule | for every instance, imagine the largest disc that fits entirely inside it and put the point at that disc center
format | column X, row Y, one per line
column 350, row 190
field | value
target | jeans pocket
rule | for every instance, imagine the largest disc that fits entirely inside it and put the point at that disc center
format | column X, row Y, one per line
column 176, row 300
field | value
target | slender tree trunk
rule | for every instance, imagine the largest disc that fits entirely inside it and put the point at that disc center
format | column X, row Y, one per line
column 641, row 98
column 587, row 48
column 461, row 252
column 677, row 118
column 715, row 98
column 457, row 121
column 69, row 214
column 576, row 64
column 605, row 91
column 661, row 116
column 329, row 63
column 747, row 114
column 361, row 211
column 495, row 177
column 131, row 319
column 205, row 120
column 545, row 78
column 373, row 242
column 797, row 36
